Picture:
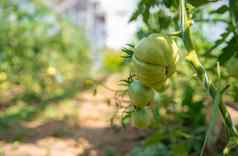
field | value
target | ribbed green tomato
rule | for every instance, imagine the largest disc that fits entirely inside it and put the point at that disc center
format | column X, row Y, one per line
column 148, row 72
column 140, row 95
column 232, row 67
column 155, row 60
column 142, row 118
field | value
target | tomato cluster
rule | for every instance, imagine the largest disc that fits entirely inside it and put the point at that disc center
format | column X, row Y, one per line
column 153, row 62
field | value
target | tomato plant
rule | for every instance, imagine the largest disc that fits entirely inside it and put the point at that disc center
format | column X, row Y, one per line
column 139, row 94
column 142, row 117
column 205, row 73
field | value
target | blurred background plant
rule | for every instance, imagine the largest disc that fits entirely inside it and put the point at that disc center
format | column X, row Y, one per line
column 40, row 51
column 43, row 57
column 112, row 61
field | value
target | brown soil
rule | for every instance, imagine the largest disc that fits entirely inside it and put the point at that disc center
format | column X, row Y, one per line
column 89, row 134
column 93, row 136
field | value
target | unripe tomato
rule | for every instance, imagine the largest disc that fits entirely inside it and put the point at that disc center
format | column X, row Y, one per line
column 232, row 67
column 160, row 86
column 155, row 60
column 148, row 73
column 140, row 95
column 142, row 118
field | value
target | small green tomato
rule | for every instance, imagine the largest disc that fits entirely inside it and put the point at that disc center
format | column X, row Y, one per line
column 140, row 95
column 142, row 118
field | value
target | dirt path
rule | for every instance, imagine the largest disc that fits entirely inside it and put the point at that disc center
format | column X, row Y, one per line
column 93, row 137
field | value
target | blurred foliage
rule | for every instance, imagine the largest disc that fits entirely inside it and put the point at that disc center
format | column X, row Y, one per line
column 112, row 61
column 39, row 50
column 44, row 61
column 183, row 121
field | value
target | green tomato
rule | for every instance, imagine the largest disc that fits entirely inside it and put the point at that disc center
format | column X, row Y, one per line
column 142, row 118
column 232, row 67
column 155, row 60
column 140, row 95
column 148, row 73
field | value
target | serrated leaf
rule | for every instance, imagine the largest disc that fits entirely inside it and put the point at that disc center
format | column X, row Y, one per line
column 230, row 50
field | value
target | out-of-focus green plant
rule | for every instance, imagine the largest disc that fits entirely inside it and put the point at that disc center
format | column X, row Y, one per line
column 112, row 61
column 39, row 50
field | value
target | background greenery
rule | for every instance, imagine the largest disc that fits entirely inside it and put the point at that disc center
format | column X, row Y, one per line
column 39, row 49
column 43, row 58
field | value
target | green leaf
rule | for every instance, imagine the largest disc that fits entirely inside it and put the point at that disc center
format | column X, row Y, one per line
column 128, row 51
column 146, row 15
column 137, row 12
column 218, row 42
column 230, row 50
column 179, row 149
column 197, row 3
column 233, row 8
column 221, row 10
column 171, row 3
column 155, row 138
column 143, row 8
column 135, row 15
column 188, row 95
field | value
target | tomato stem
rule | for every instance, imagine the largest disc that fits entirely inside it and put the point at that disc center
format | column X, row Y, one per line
column 193, row 59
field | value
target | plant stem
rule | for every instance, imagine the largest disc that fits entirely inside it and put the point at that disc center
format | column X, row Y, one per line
column 193, row 59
